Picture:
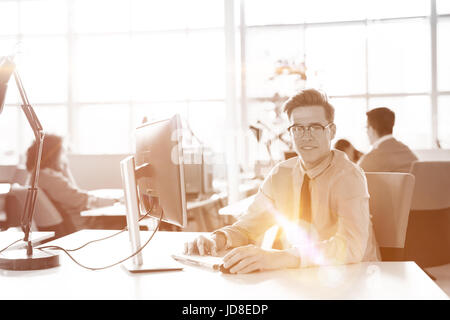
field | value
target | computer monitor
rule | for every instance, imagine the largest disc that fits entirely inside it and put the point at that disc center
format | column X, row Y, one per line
column 159, row 162
column 153, row 182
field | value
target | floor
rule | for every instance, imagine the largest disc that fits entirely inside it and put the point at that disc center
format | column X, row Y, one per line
column 442, row 275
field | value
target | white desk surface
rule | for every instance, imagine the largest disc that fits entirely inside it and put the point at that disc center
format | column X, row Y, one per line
column 382, row 280
column 107, row 193
column 238, row 208
column 118, row 209
column 5, row 188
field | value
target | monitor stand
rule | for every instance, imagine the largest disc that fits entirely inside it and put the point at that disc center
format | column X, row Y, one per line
column 137, row 264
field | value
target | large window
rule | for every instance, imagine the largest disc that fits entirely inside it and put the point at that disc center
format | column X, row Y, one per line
column 363, row 54
column 94, row 69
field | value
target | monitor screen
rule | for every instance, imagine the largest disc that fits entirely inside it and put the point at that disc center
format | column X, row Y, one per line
column 160, row 174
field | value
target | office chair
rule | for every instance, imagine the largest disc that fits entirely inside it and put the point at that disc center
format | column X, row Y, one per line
column 390, row 201
column 20, row 176
column 45, row 215
column 428, row 237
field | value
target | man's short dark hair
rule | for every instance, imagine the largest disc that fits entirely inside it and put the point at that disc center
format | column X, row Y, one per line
column 381, row 120
column 307, row 98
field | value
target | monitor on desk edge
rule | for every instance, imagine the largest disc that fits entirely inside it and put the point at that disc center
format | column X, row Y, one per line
column 153, row 182
column 159, row 152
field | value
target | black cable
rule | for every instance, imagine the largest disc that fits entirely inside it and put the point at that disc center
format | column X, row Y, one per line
column 92, row 241
column 87, row 243
column 9, row 245
column 111, row 236
column 114, row 264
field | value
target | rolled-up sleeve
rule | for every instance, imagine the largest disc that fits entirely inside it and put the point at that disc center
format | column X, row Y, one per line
column 252, row 225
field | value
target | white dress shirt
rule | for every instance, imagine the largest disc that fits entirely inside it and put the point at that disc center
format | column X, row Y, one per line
column 382, row 139
column 340, row 231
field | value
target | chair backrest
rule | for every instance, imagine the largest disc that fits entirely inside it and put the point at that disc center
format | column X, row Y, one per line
column 6, row 173
column 45, row 213
column 432, row 187
column 390, row 201
column 20, row 176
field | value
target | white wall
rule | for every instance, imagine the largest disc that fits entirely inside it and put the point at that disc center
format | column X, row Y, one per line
column 96, row 171
column 433, row 154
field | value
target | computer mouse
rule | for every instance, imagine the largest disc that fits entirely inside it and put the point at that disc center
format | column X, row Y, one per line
column 225, row 270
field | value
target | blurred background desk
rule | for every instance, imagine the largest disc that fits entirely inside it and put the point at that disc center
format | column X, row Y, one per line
column 206, row 210
column 238, row 208
column 203, row 212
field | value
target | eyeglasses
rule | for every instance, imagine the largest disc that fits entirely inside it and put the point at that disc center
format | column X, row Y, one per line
column 314, row 129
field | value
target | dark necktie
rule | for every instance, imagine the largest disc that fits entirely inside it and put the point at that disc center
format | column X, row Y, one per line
column 305, row 200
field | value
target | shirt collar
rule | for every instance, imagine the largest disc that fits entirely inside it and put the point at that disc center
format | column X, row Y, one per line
column 380, row 140
column 317, row 170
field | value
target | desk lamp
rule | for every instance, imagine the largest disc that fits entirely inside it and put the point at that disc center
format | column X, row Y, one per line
column 18, row 259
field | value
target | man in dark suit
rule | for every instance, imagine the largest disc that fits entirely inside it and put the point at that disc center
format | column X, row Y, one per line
column 387, row 154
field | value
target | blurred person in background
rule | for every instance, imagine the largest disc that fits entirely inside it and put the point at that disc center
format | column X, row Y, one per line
column 56, row 180
column 387, row 153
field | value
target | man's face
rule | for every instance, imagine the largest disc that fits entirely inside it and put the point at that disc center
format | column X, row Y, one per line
column 314, row 145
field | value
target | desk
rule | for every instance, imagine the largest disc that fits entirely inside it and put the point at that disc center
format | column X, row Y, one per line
column 119, row 210
column 198, row 209
column 205, row 219
column 239, row 208
column 381, row 280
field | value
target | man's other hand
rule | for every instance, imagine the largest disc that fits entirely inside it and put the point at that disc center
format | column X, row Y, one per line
column 252, row 258
column 206, row 245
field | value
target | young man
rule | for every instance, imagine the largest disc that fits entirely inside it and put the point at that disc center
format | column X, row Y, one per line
column 387, row 154
column 320, row 199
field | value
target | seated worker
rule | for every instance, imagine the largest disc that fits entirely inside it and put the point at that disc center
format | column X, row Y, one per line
column 56, row 180
column 387, row 154
column 319, row 199
column 346, row 146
